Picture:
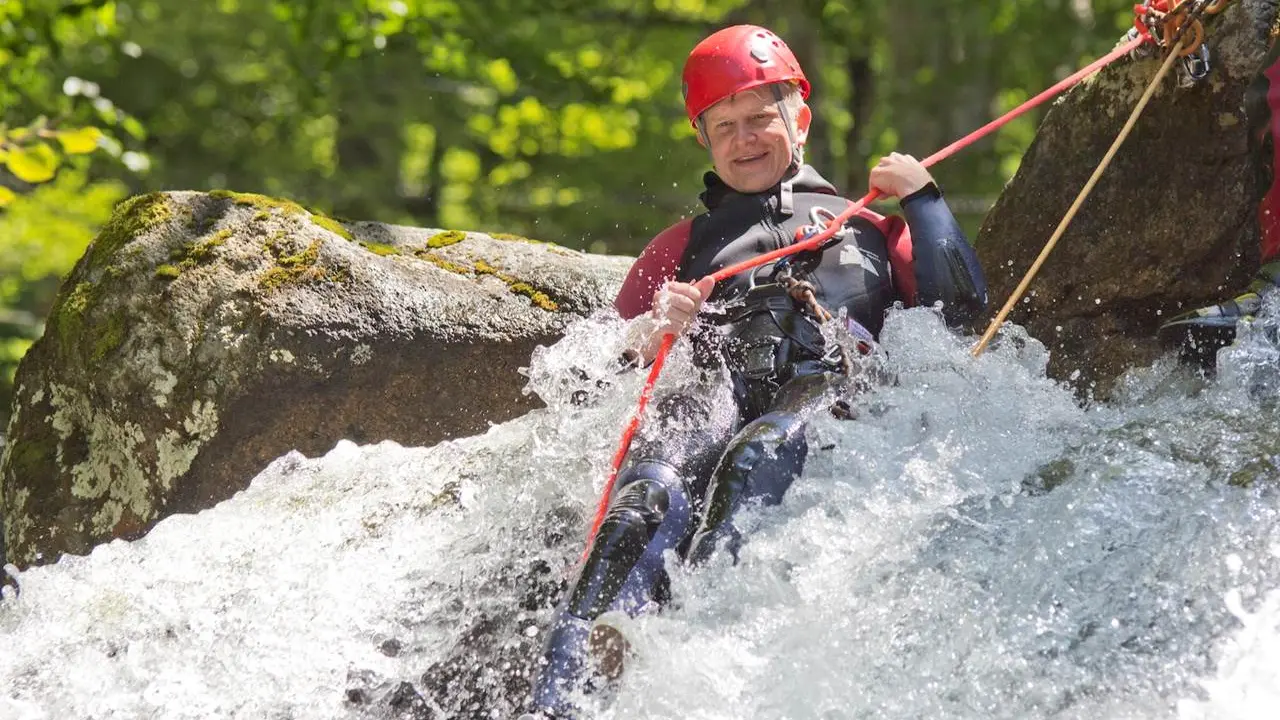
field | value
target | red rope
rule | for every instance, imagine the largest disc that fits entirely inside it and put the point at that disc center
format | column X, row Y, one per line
column 816, row 241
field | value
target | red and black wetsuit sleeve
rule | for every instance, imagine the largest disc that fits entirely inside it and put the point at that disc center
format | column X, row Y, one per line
column 932, row 259
column 657, row 264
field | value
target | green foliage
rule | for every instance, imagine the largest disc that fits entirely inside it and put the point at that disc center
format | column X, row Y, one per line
column 43, row 233
column 553, row 118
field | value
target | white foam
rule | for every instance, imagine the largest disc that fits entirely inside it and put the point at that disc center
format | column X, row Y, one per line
column 974, row 545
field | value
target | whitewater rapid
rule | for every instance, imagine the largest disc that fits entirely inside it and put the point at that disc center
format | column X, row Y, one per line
column 975, row 544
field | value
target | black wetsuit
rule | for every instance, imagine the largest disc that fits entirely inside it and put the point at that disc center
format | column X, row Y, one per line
column 738, row 434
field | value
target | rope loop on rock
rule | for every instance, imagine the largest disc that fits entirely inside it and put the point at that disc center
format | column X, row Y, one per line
column 1175, row 23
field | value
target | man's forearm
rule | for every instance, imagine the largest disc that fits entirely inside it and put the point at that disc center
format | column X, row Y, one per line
column 945, row 265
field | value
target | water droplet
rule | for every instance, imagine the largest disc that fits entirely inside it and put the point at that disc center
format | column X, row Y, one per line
column 1234, row 563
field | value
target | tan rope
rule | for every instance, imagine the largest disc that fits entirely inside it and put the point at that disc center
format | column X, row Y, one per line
column 1075, row 206
column 802, row 291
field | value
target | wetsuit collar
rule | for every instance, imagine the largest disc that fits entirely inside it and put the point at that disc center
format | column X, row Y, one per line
column 803, row 179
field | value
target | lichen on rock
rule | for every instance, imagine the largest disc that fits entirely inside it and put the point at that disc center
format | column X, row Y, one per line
column 539, row 298
column 296, row 261
column 446, row 238
column 133, row 218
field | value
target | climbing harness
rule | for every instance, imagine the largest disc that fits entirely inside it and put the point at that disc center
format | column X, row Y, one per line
column 803, row 291
column 1178, row 44
column 810, row 242
column 779, row 319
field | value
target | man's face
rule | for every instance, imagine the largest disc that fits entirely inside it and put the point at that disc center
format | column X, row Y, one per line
column 749, row 143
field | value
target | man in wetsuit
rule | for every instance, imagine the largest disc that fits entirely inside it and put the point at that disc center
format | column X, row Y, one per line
column 737, row 435
column 1203, row 331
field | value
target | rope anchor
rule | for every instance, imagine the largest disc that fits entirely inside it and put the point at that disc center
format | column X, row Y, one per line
column 1176, row 24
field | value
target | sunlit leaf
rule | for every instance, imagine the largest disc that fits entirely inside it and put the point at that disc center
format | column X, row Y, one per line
column 6, row 196
column 502, row 76
column 460, row 165
column 33, row 164
column 590, row 58
column 79, row 141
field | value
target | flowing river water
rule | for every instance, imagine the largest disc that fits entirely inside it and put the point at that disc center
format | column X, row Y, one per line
column 977, row 543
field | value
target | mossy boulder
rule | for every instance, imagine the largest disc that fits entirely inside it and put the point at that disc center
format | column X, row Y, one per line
column 1170, row 226
column 203, row 335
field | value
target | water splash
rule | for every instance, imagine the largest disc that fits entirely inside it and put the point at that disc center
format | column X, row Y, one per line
column 972, row 544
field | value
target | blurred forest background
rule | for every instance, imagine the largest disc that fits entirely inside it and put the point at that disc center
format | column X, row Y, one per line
column 556, row 119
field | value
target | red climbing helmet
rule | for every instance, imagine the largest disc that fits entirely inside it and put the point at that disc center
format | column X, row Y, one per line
column 735, row 59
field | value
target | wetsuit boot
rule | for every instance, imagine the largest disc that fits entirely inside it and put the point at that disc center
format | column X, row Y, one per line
column 1201, row 333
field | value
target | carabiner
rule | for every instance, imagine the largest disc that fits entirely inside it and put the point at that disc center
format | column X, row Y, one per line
column 1197, row 64
column 820, row 219
column 1195, row 33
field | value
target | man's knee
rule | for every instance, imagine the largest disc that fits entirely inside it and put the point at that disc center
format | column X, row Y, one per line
column 763, row 461
column 635, row 514
column 651, row 501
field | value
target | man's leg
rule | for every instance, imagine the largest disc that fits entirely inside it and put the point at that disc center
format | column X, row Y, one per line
column 651, row 512
column 761, row 462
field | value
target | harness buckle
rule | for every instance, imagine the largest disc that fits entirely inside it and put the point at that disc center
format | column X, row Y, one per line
column 759, row 359
column 820, row 219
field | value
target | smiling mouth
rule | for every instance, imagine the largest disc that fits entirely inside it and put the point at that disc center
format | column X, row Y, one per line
column 749, row 159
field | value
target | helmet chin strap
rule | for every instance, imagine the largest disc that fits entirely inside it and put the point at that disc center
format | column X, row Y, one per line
column 797, row 150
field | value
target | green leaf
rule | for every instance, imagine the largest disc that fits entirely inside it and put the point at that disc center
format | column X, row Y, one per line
column 6, row 196
column 79, row 141
column 35, row 164
column 134, row 128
